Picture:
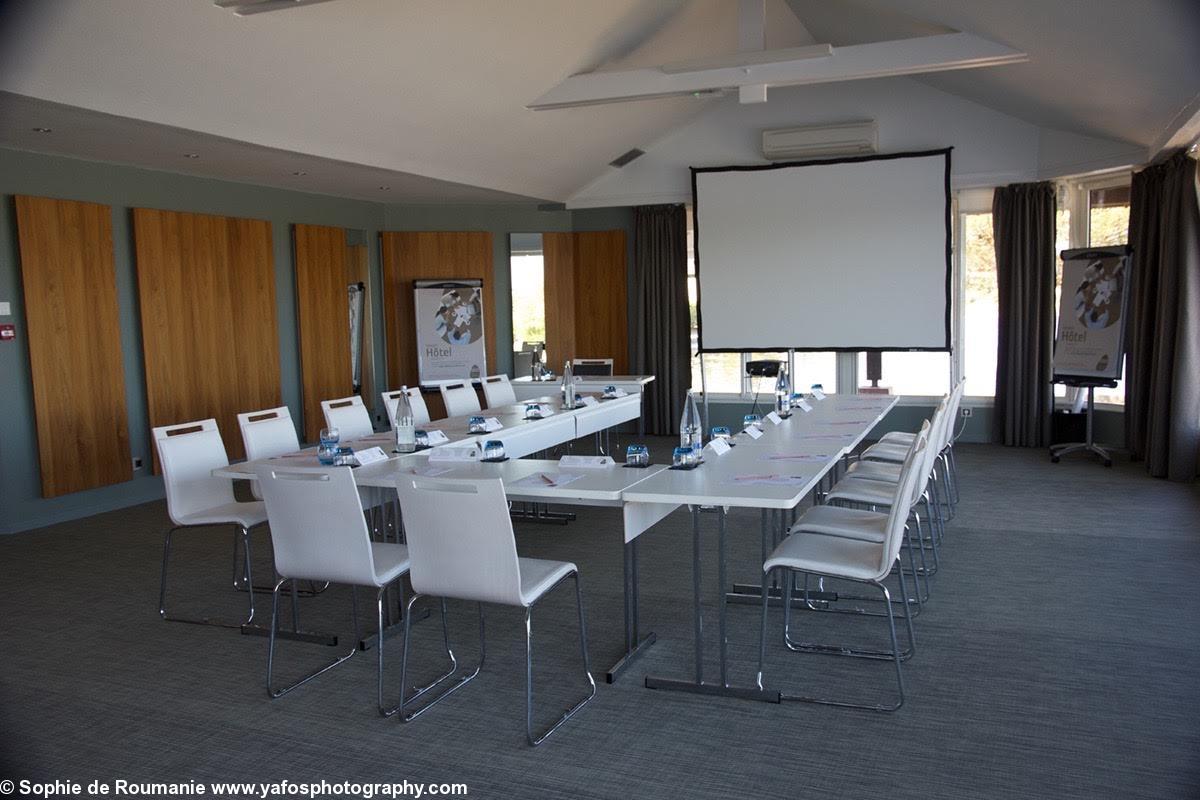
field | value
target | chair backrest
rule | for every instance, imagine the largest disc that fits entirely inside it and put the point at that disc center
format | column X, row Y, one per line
column 522, row 362
column 420, row 411
column 938, row 425
column 188, row 453
column 498, row 391
column 956, row 396
column 460, row 539
column 904, row 498
column 318, row 531
column 267, row 433
column 592, row 366
column 460, row 399
column 349, row 416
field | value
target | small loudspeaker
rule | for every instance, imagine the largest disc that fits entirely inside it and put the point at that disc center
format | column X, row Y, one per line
column 763, row 369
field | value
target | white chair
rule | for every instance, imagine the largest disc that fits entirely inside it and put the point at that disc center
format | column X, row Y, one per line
column 593, row 366
column 460, row 399
column 188, row 453
column 349, row 416
column 420, row 411
column 498, row 391
column 319, row 535
column 265, row 434
column 461, row 544
column 885, row 449
column 848, row 559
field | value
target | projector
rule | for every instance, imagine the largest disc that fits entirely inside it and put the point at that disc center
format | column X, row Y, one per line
column 763, row 369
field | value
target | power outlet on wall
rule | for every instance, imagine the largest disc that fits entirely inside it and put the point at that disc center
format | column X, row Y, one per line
column 966, row 412
column 137, row 463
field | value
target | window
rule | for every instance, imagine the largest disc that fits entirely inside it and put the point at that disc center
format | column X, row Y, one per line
column 921, row 374
column 528, row 289
column 1108, row 224
column 980, row 305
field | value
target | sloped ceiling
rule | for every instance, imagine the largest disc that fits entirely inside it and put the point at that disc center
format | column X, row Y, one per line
column 428, row 96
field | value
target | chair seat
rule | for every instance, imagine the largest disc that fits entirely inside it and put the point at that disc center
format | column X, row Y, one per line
column 898, row 437
column 539, row 575
column 830, row 555
column 861, row 490
column 875, row 471
column 850, row 523
column 245, row 514
column 886, row 452
column 391, row 561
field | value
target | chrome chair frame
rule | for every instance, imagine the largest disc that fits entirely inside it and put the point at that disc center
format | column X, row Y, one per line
column 241, row 531
column 534, row 740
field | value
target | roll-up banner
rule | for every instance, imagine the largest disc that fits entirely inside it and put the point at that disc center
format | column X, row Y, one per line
column 450, row 344
column 1092, row 310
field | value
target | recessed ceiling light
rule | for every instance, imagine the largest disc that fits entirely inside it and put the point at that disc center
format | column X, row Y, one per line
column 299, row 173
column 191, row 155
column 384, row 188
column 44, row 130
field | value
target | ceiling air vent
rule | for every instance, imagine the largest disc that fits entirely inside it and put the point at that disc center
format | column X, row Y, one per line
column 625, row 158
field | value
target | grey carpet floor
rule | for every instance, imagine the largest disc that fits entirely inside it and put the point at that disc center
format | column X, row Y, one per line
column 1059, row 657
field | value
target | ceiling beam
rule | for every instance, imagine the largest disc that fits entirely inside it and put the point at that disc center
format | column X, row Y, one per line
column 924, row 54
column 752, row 38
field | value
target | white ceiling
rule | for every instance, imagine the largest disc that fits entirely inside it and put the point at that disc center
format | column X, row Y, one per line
column 428, row 96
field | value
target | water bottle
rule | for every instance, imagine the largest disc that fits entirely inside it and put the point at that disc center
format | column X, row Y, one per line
column 783, row 394
column 690, row 435
column 406, row 433
column 568, row 386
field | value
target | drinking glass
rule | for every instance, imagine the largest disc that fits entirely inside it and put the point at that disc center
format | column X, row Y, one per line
column 682, row 456
column 345, row 457
column 493, row 450
column 533, row 411
column 721, row 432
column 327, row 449
column 610, row 390
column 751, row 419
column 475, row 424
column 421, row 438
column 637, row 455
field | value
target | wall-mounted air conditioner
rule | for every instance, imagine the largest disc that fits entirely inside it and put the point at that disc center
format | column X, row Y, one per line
column 792, row 144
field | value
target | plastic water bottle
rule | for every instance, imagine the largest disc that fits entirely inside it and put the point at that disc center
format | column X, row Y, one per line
column 690, row 430
column 568, row 386
column 406, row 436
column 783, row 393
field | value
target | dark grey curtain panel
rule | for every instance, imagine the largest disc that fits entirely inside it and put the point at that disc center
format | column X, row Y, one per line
column 662, row 346
column 1162, row 372
column 1023, row 230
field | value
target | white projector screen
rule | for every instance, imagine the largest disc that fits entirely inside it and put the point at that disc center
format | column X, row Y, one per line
column 847, row 254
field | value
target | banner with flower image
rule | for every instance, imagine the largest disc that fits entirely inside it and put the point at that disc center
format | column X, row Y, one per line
column 1090, row 342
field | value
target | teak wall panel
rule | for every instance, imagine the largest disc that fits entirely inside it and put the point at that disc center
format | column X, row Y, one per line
column 321, row 262
column 210, row 336
column 601, row 319
column 585, row 293
column 410, row 256
column 558, row 260
column 74, row 343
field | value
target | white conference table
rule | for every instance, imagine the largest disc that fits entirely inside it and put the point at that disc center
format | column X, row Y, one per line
column 526, row 387
column 775, row 472
column 594, row 486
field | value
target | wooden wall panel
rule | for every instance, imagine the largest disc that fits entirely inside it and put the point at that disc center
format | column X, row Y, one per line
column 558, row 260
column 601, row 319
column 409, row 256
column 321, row 262
column 74, row 343
column 209, row 330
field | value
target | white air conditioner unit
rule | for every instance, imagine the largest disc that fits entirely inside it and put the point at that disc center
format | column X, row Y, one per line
column 852, row 138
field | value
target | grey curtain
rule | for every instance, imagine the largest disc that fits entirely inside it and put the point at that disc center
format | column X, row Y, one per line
column 662, row 346
column 1023, row 230
column 1162, row 373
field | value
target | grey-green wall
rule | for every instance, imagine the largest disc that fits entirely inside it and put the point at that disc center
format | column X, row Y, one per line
column 125, row 188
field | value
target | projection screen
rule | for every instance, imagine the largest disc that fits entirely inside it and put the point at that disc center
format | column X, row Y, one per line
column 845, row 254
